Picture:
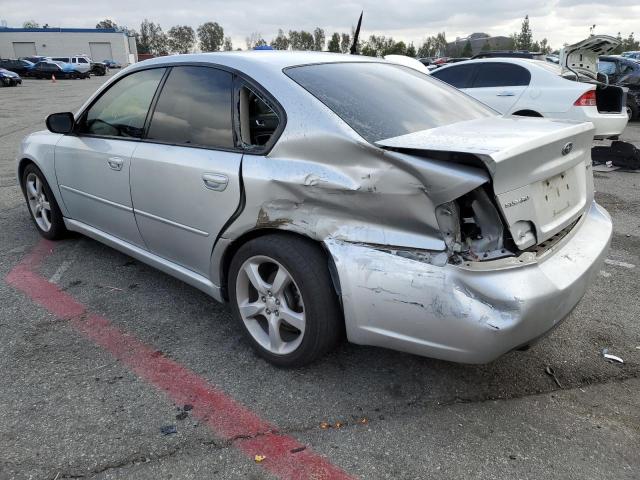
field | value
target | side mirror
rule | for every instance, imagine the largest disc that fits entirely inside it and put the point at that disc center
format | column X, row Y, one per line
column 60, row 122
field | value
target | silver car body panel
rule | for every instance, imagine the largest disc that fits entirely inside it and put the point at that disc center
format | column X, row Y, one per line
column 378, row 211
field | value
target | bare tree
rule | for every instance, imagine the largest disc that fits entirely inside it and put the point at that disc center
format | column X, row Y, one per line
column 255, row 40
column 227, row 46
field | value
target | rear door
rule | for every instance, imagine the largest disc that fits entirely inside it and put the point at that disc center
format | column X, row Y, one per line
column 459, row 76
column 93, row 165
column 185, row 175
column 499, row 84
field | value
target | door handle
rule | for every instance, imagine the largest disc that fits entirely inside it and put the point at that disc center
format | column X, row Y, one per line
column 505, row 94
column 215, row 181
column 115, row 163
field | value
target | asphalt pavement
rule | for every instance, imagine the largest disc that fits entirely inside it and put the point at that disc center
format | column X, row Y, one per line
column 82, row 396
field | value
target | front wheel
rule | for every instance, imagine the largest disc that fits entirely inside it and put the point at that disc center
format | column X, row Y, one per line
column 45, row 213
column 281, row 294
column 632, row 111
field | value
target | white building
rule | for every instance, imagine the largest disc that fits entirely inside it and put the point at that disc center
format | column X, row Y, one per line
column 99, row 43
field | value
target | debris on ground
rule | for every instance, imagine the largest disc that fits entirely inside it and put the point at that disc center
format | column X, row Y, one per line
column 187, row 407
column 182, row 416
column 339, row 425
column 549, row 371
column 298, row 450
column 611, row 358
column 259, row 458
column 363, row 420
column 168, row 429
column 325, row 425
column 620, row 154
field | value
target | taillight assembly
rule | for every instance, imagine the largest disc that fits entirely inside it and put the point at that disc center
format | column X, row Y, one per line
column 587, row 99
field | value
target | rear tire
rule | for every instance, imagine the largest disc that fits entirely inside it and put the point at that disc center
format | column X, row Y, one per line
column 632, row 111
column 282, row 296
column 44, row 210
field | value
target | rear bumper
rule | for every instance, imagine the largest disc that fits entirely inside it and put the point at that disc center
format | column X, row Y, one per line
column 606, row 124
column 468, row 315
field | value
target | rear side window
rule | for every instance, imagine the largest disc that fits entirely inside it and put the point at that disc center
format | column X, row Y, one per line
column 495, row 74
column 381, row 100
column 459, row 76
column 194, row 108
column 121, row 111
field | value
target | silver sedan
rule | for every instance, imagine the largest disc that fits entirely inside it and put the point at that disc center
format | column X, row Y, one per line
column 326, row 195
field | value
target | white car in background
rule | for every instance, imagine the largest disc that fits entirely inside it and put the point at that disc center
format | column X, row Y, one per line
column 82, row 63
column 570, row 90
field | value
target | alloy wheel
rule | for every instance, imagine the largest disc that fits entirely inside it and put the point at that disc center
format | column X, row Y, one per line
column 270, row 305
column 38, row 202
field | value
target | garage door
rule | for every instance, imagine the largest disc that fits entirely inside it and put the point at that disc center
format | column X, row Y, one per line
column 24, row 49
column 100, row 51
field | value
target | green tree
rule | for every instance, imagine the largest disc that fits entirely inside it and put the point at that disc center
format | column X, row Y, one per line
column 630, row 43
column 544, row 47
column 345, row 42
column 301, row 40
column 106, row 23
column 151, row 39
column 334, row 43
column 619, row 49
column 427, row 48
column 227, row 45
column 181, row 39
column 210, row 36
column 411, row 51
column 318, row 39
column 30, row 24
column 487, row 46
column 467, row 51
column 525, row 36
column 281, row 42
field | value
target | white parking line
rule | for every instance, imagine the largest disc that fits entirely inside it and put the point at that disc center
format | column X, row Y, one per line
column 617, row 263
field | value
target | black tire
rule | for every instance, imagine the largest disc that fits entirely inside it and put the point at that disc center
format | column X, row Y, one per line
column 309, row 269
column 632, row 111
column 58, row 229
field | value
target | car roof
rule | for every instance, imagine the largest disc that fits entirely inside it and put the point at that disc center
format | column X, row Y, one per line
column 525, row 62
column 265, row 59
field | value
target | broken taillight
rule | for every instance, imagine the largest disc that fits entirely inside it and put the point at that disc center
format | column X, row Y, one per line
column 587, row 99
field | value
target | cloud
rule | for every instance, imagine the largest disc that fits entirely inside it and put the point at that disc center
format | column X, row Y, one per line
column 411, row 20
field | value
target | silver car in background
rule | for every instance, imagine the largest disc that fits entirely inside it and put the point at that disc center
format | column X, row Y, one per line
column 324, row 194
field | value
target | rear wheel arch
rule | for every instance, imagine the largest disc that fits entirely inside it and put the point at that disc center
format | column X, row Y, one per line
column 527, row 113
column 232, row 248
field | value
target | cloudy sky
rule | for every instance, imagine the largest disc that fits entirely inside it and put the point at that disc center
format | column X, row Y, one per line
column 559, row 21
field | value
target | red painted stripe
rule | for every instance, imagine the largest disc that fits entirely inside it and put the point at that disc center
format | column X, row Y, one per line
column 227, row 418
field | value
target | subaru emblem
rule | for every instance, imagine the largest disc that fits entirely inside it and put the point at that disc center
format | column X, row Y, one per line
column 567, row 148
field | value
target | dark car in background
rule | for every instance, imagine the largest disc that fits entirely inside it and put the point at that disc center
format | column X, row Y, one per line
column 48, row 68
column 99, row 69
column 21, row 67
column 9, row 78
column 111, row 64
column 623, row 72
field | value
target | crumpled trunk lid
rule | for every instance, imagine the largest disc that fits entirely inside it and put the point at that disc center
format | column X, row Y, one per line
column 540, row 168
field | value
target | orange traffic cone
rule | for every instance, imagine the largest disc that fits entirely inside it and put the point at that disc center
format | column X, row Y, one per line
column 53, row 78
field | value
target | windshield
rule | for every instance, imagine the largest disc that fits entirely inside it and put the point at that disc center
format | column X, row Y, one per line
column 380, row 100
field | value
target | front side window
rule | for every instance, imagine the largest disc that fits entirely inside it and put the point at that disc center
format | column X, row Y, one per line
column 121, row 111
column 82, row 60
column 194, row 108
column 459, row 76
column 380, row 100
column 495, row 74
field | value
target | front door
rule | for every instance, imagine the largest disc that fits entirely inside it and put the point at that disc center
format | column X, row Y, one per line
column 93, row 164
column 185, row 176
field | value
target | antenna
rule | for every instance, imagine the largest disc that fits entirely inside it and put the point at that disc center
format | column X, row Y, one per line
column 354, row 45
